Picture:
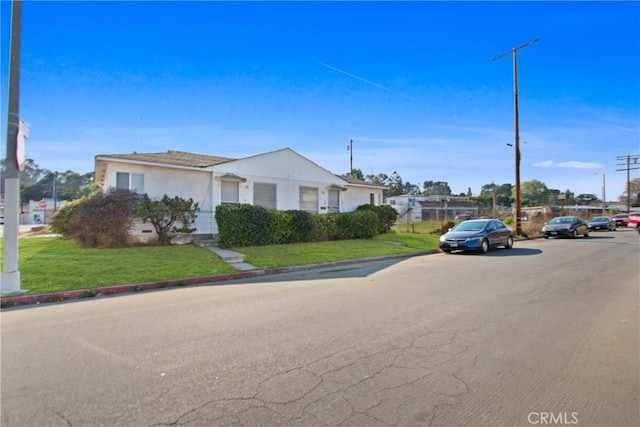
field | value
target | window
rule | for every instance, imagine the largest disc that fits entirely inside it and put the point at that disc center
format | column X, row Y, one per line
column 309, row 199
column 372, row 198
column 130, row 181
column 264, row 195
column 230, row 193
column 334, row 201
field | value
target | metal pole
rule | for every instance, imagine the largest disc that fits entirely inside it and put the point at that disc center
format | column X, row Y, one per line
column 10, row 282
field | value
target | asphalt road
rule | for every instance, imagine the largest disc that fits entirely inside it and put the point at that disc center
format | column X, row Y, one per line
column 545, row 333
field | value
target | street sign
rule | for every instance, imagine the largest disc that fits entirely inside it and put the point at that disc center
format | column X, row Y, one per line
column 42, row 204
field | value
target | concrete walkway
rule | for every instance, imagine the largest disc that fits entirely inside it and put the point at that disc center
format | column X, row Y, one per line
column 232, row 258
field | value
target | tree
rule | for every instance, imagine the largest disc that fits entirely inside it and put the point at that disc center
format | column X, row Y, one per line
column 534, row 193
column 436, row 188
column 503, row 193
column 356, row 173
column 395, row 184
column 380, row 179
column 635, row 192
column 31, row 174
column 163, row 214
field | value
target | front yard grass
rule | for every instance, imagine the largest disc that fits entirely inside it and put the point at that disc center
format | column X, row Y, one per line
column 53, row 264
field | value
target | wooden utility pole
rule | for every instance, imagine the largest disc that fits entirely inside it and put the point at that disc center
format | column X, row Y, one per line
column 516, row 142
column 628, row 159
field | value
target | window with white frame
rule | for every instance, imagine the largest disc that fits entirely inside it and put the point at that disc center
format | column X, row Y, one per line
column 130, row 181
column 264, row 195
column 230, row 194
column 309, row 199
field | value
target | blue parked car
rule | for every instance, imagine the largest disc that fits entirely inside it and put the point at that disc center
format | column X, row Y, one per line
column 477, row 235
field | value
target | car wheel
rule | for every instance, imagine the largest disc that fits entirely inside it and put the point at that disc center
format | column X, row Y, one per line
column 545, row 236
column 574, row 234
column 484, row 246
column 509, row 244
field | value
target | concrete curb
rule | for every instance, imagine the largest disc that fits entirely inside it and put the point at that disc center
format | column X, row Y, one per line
column 20, row 300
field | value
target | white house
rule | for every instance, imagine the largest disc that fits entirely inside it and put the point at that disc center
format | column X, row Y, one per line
column 281, row 180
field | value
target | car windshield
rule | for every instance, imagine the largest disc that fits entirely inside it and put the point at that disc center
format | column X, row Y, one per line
column 470, row 226
column 561, row 221
column 600, row 219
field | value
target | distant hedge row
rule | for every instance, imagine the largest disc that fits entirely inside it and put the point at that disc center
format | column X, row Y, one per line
column 247, row 225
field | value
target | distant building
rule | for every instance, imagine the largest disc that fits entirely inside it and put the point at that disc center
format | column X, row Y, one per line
column 413, row 208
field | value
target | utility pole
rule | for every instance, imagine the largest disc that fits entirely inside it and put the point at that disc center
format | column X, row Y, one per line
column 10, row 282
column 350, row 148
column 516, row 142
column 629, row 159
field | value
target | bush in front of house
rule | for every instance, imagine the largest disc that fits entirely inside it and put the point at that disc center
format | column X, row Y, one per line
column 387, row 216
column 356, row 225
column 247, row 225
column 104, row 220
column 165, row 213
column 301, row 226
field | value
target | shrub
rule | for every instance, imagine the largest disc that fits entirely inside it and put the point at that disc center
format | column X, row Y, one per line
column 244, row 225
column 163, row 214
column 104, row 220
column 62, row 220
column 302, row 226
column 387, row 216
column 356, row 225
column 325, row 227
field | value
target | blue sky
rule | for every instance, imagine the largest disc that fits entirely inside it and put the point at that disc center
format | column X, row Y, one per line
column 412, row 83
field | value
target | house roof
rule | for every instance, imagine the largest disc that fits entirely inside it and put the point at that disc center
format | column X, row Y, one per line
column 185, row 159
column 356, row 181
column 171, row 157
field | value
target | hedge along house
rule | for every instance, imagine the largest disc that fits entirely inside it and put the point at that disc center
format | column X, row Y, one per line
column 281, row 180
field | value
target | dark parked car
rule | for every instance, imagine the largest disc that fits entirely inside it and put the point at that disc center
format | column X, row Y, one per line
column 565, row 226
column 602, row 223
column 621, row 220
column 477, row 235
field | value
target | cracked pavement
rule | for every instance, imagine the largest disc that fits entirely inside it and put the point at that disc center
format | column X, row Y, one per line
column 437, row 340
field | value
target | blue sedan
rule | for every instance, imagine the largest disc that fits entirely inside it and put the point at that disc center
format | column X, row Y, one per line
column 477, row 235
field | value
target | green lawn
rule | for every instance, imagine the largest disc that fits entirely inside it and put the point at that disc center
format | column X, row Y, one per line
column 52, row 264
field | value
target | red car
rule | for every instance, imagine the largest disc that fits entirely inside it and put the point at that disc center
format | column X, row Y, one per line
column 621, row 220
column 634, row 220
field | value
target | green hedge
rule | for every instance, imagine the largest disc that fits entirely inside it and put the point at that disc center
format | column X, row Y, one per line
column 247, row 225
column 387, row 216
